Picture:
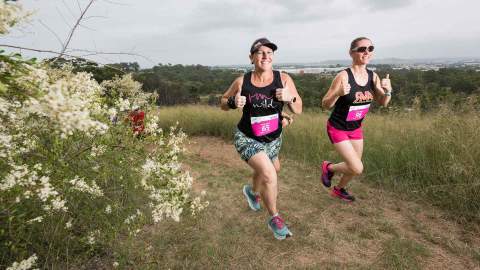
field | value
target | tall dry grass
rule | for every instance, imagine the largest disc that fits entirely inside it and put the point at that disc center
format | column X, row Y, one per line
column 432, row 157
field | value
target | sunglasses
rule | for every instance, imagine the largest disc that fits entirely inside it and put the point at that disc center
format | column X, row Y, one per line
column 363, row 49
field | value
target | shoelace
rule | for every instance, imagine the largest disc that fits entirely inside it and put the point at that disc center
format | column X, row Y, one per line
column 278, row 222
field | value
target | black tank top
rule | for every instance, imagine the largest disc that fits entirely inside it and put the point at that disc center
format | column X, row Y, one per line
column 262, row 113
column 350, row 109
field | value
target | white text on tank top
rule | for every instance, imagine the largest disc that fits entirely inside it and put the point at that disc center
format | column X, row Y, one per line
column 263, row 125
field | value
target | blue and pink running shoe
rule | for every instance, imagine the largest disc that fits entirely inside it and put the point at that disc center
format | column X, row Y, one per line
column 342, row 194
column 326, row 174
column 279, row 228
column 252, row 199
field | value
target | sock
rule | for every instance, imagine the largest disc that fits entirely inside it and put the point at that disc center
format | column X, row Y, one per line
column 328, row 167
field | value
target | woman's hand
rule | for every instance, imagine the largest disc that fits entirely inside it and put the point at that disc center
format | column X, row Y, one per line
column 240, row 100
column 283, row 94
column 344, row 87
column 386, row 84
column 286, row 119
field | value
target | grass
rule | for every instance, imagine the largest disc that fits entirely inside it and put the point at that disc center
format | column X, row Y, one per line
column 401, row 253
column 376, row 232
column 432, row 158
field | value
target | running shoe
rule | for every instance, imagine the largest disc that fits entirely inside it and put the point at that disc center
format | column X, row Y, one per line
column 279, row 228
column 342, row 194
column 326, row 174
column 252, row 199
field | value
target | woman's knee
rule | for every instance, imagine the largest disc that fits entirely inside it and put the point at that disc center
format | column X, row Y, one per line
column 356, row 168
column 269, row 177
column 277, row 167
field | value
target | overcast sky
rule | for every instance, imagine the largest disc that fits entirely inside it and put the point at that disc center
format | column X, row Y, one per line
column 220, row 32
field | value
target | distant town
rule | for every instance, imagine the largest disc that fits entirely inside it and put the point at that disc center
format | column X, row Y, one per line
column 333, row 66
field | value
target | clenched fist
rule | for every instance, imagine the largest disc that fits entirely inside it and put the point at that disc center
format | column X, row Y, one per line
column 386, row 84
column 283, row 94
column 240, row 100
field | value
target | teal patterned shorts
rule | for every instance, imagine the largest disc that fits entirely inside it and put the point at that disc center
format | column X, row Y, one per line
column 248, row 147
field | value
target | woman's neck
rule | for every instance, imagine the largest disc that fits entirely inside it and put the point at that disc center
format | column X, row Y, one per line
column 262, row 75
column 358, row 68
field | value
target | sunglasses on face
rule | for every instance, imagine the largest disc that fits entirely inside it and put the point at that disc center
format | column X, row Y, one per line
column 363, row 49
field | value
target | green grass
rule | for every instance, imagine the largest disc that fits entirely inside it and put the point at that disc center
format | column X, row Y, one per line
column 400, row 253
column 433, row 157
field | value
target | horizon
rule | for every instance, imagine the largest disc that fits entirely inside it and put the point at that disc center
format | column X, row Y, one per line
column 335, row 62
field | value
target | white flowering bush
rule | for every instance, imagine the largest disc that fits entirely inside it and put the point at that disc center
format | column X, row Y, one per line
column 72, row 180
column 9, row 16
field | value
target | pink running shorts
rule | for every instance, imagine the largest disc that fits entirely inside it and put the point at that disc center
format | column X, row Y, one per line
column 337, row 135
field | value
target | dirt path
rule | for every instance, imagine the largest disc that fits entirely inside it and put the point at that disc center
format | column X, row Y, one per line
column 376, row 232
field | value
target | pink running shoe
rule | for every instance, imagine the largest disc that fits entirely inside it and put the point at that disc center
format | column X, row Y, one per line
column 326, row 174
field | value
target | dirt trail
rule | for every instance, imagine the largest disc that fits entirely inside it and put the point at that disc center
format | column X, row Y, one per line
column 378, row 231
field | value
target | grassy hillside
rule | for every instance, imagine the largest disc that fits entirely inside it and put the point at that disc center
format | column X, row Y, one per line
column 432, row 157
column 378, row 231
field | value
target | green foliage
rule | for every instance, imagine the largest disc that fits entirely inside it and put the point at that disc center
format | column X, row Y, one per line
column 430, row 89
column 71, row 180
column 179, row 84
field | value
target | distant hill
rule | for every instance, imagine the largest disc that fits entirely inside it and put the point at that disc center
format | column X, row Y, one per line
column 382, row 61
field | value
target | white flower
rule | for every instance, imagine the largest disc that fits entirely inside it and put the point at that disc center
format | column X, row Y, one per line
column 38, row 166
column 9, row 15
column 97, row 150
column 80, row 185
column 132, row 218
column 91, row 238
column 59, row 204
column 123, row 105
column 108, row 209
column 68, row 225
column 47, row 190
column 70, row 103
column 37, row 219
column 25, row 264
column 197, row 205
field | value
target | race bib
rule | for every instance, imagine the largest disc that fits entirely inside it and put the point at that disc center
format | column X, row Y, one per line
column 358, row 112
column 262, row 125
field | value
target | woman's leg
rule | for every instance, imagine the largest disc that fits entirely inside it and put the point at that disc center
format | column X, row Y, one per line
column 351, row 152
column 265, row 180
column 276, row 165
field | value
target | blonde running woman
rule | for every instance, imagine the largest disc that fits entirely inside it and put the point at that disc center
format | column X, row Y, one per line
column 350, row 95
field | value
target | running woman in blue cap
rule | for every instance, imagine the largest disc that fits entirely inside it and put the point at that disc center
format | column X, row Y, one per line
column 262, row 94
column 350, row 95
